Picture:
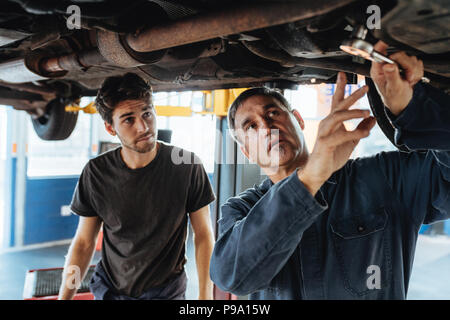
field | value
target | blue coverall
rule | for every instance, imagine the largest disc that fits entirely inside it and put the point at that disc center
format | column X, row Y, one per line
column 356, row 238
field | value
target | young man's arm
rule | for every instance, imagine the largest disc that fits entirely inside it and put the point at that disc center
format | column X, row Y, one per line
column 79, row 256
column 204, row 243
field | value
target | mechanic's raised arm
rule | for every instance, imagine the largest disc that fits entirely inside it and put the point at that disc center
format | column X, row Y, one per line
column 258, row 235
column 419, row 112
column 259, row 232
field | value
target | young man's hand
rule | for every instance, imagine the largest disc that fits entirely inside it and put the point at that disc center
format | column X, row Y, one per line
column 396, row 91
column 334, row 143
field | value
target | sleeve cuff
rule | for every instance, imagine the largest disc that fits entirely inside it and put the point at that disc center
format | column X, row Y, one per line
column 410, row 112
column 82, row 213
column 408, row 116
column 316, row 204
column 203, row 204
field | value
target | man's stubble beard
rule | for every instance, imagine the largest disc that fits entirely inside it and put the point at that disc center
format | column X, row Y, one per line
column 149, row 147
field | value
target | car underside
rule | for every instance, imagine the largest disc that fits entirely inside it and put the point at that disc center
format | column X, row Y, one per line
column 53, row 52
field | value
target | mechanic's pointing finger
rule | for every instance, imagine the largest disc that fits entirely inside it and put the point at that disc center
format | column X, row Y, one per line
column 336, row 119
column 340, row 89
column 367, row 124
column 351, row 99
column 345, row 136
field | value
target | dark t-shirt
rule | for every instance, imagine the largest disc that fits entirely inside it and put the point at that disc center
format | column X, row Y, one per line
column 144, row 213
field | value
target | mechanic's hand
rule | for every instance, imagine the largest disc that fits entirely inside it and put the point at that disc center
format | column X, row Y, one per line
column 396, row 91
column 334, row 143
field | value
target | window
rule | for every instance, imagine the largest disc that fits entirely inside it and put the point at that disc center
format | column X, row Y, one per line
column 195, row 133
column 60, row 158
column 3, row 150
column 314, row 102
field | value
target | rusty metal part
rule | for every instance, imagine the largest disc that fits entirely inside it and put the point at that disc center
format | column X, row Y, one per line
column 115, row 49
column 34, row 59
column 22, row 100
column 72, row 61
column 256, row 47
column 36, row 66
column 111, row 47
column 420, row 24
column 42, row 39
column 46, row 92
column 91, row 57
column 197, row 50
column 231, row 21
column 287, row 60
column 51, row 65
column 32, row 107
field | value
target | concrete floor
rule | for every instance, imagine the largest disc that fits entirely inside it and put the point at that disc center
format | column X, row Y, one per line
column 15, row 264
column 2, row 195
column 430, row 277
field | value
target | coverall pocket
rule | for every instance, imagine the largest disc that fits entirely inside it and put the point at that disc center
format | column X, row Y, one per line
column 363, row 253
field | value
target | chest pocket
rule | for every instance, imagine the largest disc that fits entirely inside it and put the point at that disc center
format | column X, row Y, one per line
column 363, row 253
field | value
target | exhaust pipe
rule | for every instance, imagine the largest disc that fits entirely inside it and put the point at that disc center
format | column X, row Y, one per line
column 224, row 23
column 149, row 46
column 37, row 67
column 72, row 61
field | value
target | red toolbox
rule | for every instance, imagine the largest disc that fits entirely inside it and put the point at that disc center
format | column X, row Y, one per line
column 43, row 284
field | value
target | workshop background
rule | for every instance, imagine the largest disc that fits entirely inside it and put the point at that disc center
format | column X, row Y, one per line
column 37, row 180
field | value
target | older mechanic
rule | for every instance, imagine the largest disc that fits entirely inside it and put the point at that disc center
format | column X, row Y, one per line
column 323, row 226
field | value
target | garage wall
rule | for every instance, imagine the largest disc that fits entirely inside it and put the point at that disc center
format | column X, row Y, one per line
column 44, row 201
column 12, row 166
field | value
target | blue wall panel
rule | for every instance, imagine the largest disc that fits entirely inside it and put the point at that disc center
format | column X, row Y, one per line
column 13, row 201
column 44, row 199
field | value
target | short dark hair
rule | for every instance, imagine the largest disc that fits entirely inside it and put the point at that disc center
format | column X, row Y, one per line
column 259, row 91
column 116, row 89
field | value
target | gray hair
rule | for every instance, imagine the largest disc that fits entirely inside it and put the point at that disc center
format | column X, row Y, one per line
column 259, row 91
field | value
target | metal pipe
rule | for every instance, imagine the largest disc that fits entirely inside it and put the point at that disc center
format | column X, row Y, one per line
column 72, row 61
column 28, row 87
column 17, row 71
column 51, row 65
column 232, row 21
column 33, row 107
column 287, row 60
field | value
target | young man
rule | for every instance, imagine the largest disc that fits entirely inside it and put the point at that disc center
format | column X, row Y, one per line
column 143, row 199
column 323, row 226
